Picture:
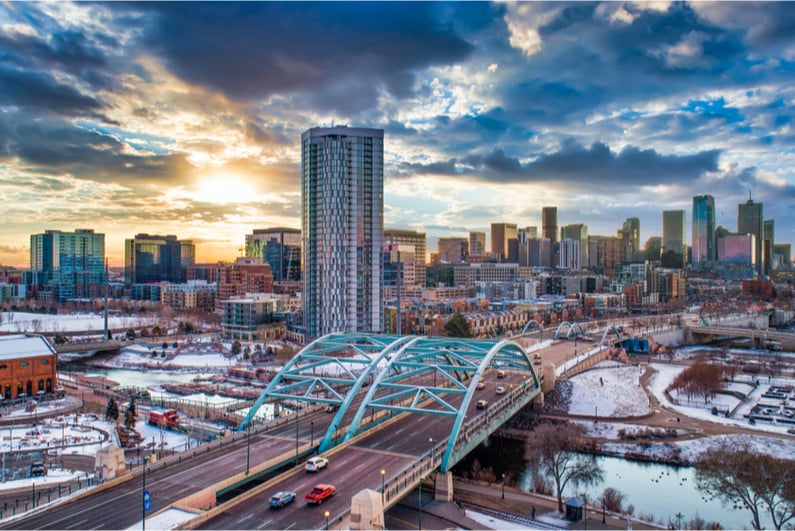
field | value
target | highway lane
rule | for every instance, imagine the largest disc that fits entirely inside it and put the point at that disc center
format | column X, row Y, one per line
column 392, row 448
column 120, row 506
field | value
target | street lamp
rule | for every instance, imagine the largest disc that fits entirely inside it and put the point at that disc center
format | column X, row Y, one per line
column 311, row 433
column 419, row 519
column 327, row 514
column 143, row 495
column 503, row 486
column 432, row 441
column 296, row 438
column 383, row 473
column 33, row 495
column 248, row 447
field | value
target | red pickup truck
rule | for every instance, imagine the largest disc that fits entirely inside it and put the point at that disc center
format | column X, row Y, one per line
column 320, row 493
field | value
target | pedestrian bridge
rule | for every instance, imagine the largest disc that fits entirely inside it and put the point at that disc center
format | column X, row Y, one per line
column 370, row 376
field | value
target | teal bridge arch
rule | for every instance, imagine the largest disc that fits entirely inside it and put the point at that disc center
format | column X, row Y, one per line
column 573, row 328
column 435, row 376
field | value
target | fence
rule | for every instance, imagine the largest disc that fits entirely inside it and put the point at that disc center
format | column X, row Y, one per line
column 43, row 495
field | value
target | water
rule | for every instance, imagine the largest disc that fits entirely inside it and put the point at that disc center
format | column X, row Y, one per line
column 658, row 490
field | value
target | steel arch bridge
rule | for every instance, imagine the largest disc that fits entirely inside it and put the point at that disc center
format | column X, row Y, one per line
column 435, row 376
column 573, row 328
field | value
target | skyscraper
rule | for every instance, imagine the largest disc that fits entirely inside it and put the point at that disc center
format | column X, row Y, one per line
column 477, row 243
column 501, row 233
column 416, row 241
column 750, row 220
column 673, row 239
column 704, row 242
column 629, row 234
column 549, row 223
column 72, row 264
column 280, row 247
column 342, row 229
column 152, row 258
column 577, row 232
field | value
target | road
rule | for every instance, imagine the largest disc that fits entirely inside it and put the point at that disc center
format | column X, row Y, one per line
column 356, row 467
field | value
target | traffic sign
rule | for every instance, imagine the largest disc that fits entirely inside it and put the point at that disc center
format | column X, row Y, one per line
column 147, row 500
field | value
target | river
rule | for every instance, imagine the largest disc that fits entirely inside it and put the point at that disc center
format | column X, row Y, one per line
column 653, row 489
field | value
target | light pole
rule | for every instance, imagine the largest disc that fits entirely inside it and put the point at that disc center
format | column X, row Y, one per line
column 296, row 438
column 419, row 519
column 603, row 509
column 503, row 486
column 678, row 517
column 326, row 514
column 311, row 433
column 248, row 447
column 383, row 473
column 143, row 495
column 432, row 441
column 33, row 495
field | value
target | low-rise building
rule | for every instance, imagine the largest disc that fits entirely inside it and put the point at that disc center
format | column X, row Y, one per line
column 27, row 366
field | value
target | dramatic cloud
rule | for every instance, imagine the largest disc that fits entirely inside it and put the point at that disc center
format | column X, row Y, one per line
column 185, row 117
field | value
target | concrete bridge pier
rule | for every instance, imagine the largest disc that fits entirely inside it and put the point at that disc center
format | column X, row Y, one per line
column 443, row 486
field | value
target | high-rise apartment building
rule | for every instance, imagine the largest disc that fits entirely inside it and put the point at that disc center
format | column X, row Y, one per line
column 342, row 229
column 501, row 233
column 704, row 243
column 750, row 220
column 70, row 264
column 280, row 247
column 654, row 248
column 246, row 275
column 549, row 223
column 152, row 258
column 477, row 243
column 673, row 239
column 416, row 242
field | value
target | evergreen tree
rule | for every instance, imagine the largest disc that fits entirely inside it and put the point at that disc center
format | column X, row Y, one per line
column 112, row 411
column 457, row 326
column 130, row 416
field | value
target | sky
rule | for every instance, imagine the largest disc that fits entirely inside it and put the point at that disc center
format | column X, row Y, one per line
column 185, row 118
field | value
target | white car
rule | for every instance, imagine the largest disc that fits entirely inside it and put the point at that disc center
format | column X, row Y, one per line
column 315, row 464
column 500, row 390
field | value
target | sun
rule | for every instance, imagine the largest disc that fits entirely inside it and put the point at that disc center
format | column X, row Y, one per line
column 224, row 189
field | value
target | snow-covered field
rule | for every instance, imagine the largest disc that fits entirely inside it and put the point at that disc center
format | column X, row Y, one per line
column 609, row 392
column 21, row 322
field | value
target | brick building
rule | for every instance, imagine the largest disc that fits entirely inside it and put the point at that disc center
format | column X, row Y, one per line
column 27, row 366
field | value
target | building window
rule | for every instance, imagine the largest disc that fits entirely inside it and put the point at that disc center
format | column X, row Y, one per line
column 3, row 366
column 45, row 362
column 24, row 364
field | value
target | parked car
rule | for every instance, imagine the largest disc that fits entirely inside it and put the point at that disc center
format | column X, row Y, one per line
column 282, row 498
column 500, row 390
column 483, row 404
column 320, row 493
column 500, row 374
column 315, row 464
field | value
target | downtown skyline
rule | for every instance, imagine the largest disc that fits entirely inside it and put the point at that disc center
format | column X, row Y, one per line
column 186, row 118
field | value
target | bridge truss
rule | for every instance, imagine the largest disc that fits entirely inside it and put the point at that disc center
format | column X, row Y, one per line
column 435, row 376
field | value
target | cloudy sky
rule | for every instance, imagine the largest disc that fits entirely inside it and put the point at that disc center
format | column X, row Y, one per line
column 185, row 118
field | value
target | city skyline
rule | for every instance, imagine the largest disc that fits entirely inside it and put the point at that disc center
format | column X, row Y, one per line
column 111, row 122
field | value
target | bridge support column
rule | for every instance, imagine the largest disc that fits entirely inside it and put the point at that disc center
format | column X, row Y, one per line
column 367, row 512
column 443, row 486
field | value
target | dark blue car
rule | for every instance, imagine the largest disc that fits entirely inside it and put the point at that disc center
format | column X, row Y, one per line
column 282, row 498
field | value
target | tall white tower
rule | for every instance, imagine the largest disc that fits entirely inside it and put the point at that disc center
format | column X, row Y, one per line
column 342, row 222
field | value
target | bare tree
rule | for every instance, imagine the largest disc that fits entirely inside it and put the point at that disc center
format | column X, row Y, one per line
column 760, row 483
column 552, row 451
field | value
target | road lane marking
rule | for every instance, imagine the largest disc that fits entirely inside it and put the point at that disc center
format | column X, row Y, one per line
column 263, row 524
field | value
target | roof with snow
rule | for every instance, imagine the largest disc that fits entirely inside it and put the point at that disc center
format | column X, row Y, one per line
column 22, row 346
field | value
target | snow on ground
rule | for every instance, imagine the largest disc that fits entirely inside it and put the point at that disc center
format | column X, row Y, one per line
column 490, row 522
column 168, row 519
column 666, row 374
column 609, row 392
column 20, row 322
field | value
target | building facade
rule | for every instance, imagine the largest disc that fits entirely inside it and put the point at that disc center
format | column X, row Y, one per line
column 342, row 228
column 704, row 243
column 549, row 223
column 280, row 247
column 27, row 366
column 477, row 243
column 152, row 258
column 69, row 264
column 750, row 220
column 501, row 234
column 673, row 239
column 417, row 242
